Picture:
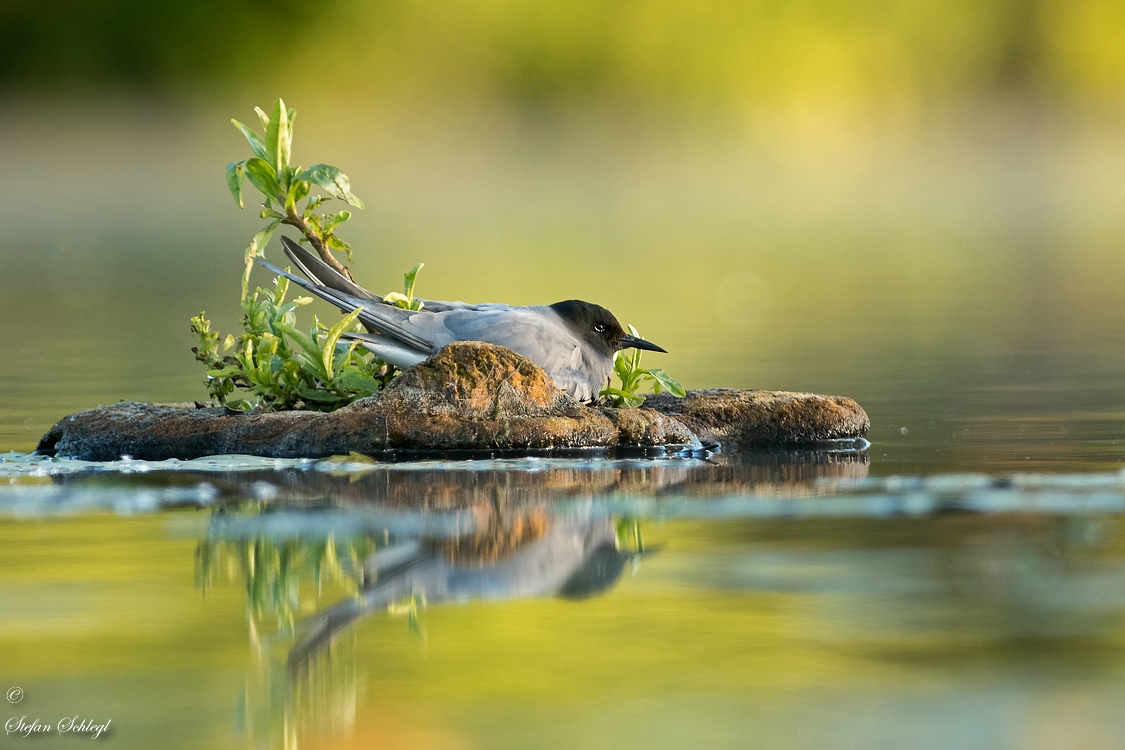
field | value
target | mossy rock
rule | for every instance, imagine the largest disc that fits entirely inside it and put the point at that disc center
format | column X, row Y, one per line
column 736, row 418
column 469, row 397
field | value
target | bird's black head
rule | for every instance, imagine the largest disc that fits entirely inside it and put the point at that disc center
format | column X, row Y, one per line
column 596, row 326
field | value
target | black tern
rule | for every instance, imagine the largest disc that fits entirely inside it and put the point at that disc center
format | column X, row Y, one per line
column 573, row 341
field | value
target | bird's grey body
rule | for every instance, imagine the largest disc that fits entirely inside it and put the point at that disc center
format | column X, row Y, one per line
column 573, row 341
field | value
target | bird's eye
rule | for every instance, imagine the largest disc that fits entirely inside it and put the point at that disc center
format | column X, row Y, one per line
column 600, row 328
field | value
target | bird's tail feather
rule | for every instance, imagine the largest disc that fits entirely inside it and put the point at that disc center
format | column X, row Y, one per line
column 324, row 274
column 376, row 316
column 325, row 293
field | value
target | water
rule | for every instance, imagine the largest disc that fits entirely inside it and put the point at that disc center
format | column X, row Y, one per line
column 959, row 584
column 791, row 598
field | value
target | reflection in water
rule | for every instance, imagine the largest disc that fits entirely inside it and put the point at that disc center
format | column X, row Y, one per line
column 38, row 484
column 934, row 592
column 357, row 481
column 272, row 571
column 280, row 577
column 305, row 681
column 570, row 558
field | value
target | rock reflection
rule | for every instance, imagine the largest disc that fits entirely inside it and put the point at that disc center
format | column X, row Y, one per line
column 460, row 485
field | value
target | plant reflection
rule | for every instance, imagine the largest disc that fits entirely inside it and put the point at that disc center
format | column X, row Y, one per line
column 272, row 572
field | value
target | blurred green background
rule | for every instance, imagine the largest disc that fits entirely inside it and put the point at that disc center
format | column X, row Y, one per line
column 917, row 204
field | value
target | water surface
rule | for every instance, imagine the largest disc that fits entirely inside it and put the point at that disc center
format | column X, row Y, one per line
column 790, row 598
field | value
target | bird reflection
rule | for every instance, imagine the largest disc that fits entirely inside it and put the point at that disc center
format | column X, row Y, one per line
column 310, row 685
column 575, row 559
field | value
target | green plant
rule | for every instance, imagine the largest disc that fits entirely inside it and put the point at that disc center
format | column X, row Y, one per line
column 282, row 367
column 406, row 300
column 632, row 376
column 277, row 365
column 284, row 186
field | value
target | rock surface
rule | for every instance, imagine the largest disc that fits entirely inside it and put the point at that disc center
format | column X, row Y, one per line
column 747, row 418
column 648, row 428
column 469, row 397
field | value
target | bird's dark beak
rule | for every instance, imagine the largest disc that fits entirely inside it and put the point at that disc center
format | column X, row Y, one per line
column 638, row 343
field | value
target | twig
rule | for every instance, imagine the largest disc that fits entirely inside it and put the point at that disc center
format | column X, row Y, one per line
column 318, row 244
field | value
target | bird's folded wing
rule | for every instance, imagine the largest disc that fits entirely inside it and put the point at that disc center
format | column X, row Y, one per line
column 534, row 332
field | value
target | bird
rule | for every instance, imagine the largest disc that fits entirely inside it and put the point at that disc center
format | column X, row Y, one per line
column 573, row 341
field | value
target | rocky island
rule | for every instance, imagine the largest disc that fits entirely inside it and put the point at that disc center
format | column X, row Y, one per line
column 470, row 397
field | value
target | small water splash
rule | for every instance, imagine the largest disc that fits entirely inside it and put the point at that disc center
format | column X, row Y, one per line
column 15, row 464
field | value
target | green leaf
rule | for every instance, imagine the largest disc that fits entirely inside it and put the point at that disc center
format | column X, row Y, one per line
column 236, row 172
column 257, row 145
column 311, row 365
column 277, row 139
column 354, row 380
column 280, row 289
column 621, row 365
column 334, row 333
column 273, row 134
column 240, row 404
column 671, row 384
column 333, row 181
column 629, row 399
column 409, row 278
column 303, row 340
column 264, row 177
column 262, row 117
column 289, row 116
column 257, row 245
column 397, row 299
column 320, row 397
column 331, row 221
column 343, row 359
column 338, row 244
column 298, row 189
column 636, row 355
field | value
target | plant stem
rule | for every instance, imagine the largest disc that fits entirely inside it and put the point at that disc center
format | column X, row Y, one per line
column 314, row 239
